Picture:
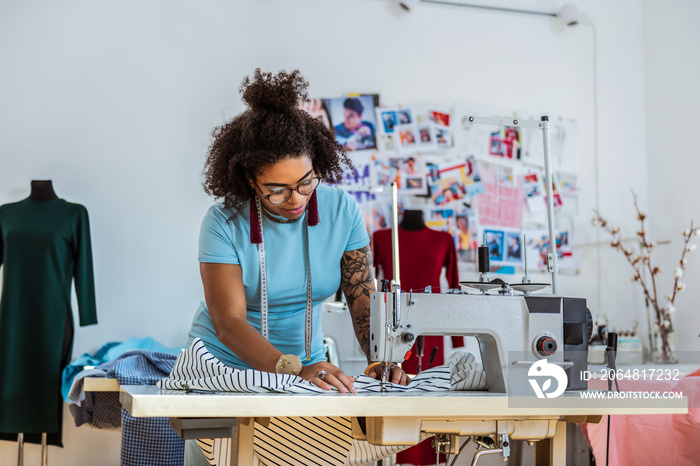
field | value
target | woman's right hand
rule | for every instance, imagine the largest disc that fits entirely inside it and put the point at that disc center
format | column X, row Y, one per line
column 333, row 376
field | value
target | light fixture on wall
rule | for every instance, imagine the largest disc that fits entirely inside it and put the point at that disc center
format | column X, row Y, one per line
column 568, row 13
column 408, row 4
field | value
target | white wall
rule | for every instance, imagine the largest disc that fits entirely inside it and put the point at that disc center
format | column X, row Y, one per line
column 115, row 101
column 672, row 73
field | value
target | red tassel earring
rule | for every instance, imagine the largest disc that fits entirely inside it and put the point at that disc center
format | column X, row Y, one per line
column 255, row 233
column 313, row 218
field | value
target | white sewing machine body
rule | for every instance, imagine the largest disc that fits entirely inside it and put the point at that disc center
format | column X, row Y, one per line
column 513, row 331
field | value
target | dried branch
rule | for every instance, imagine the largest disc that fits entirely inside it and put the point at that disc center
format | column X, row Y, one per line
column 647, row 246
column 692, row 232
column 631, row 259
column 643, row 262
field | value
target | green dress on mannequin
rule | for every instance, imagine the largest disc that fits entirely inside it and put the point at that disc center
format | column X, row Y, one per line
column 44, row 245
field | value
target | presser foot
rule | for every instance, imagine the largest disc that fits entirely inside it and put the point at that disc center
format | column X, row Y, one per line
column 384, row 368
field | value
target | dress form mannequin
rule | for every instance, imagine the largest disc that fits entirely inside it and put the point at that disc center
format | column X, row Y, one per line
column 412, row 220
column 42, row 190
column 44, row 244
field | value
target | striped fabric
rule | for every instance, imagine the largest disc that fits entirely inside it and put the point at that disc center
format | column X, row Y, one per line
column 196, row 368
column 217, row 451
column 297, row 440
column 302, row 441
column 306, row 440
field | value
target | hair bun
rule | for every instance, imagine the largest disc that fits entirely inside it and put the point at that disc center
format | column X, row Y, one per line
column 281, row 91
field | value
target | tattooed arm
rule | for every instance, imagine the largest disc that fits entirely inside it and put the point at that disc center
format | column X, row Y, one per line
column 357, row 282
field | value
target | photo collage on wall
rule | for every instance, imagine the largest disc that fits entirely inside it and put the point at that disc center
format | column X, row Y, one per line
column 411, row 130
column 538, row 248
column 482, row 189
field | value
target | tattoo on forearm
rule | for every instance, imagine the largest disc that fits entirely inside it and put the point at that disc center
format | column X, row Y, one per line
column 361, row 322
column 357, row 282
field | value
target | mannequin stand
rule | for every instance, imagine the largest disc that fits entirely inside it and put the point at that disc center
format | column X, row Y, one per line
column 20, row 449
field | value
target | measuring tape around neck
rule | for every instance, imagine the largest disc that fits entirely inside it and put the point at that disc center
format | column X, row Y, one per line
column 264, row 303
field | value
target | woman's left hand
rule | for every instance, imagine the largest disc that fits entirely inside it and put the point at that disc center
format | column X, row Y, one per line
column 396, row 374
column 324, row 374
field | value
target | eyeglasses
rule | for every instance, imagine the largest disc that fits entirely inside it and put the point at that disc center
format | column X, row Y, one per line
column 282, row 195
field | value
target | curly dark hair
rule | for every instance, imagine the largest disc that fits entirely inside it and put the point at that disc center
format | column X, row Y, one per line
column 273, row 128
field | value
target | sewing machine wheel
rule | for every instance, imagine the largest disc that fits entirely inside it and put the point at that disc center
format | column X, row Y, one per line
column 528, row 288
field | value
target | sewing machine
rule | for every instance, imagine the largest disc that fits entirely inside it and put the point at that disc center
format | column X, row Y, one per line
column 513, row 331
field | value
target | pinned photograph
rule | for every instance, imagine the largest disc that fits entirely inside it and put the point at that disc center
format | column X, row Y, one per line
column 568, row 184
column 494, row 241
column 538, row 248
column 433, row 172
column 450, row 186
column 531, row 178
column 413, row 171
column 443, row 136
column 406, row 137
column 505, row 177
column 426, row 139
column 557, row 200
column 415, row 184
column 388, row 120
column 317, row 109
column 466, row 235
column 409, row 173
column 442, row 220
column 505, row 143
column 377, row 215
column 439, row 117
column 358, row 178
column 404, row 117
column 386, row 170
column 534, row 193
column 473, row 183
column 514, row 247
column 353, row 120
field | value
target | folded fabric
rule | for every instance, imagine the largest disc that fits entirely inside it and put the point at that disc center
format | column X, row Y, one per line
column 100, row 410
column 148, row 441
column 109, row 352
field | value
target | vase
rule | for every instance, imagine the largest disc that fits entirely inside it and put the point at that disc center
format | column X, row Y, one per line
column 664, row 354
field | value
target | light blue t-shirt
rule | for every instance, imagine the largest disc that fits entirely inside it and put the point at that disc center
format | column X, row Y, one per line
column 341, row 228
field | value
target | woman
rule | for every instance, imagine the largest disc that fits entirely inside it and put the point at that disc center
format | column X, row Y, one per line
column 281, row 241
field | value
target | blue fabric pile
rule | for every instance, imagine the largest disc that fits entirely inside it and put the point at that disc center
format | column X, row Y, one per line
column 110, row 352
column 144, row 440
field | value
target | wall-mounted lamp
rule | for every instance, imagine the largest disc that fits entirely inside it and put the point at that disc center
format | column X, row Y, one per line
column 567, row 14
column 407, row 4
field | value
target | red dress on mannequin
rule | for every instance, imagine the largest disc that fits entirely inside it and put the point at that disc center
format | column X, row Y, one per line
column 422, row 255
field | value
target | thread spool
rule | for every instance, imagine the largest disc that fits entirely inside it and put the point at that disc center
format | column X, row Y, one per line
column 484, row 262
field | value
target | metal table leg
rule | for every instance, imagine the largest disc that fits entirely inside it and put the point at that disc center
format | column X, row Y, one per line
column 552, row 451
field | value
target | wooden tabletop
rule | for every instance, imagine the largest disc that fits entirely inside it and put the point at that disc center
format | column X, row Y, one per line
column 149, row 401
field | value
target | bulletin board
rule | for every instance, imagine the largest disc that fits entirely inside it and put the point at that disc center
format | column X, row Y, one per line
column 482, row 184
